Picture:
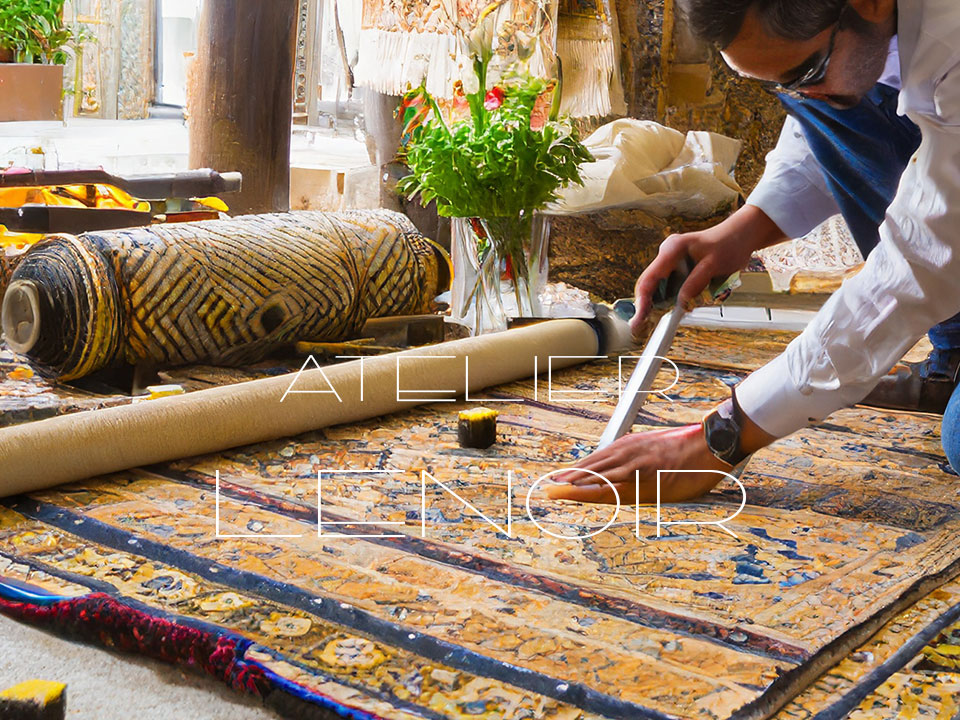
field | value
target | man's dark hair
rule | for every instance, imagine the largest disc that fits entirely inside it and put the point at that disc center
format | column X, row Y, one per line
column 719, row 21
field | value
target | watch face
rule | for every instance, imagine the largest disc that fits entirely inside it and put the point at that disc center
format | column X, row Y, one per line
column 724, row 438
column 722, row 435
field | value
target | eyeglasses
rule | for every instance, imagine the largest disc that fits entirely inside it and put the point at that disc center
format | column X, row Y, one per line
column 813, row 76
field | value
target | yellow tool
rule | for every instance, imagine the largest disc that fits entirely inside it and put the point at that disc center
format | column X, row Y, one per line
column 34, row 700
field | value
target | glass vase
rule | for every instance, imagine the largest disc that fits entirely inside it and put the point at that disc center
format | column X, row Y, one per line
column 499, row 269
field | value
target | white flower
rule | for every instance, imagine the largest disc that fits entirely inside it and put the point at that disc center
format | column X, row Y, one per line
column 526, row 44
column 478, row 41
column 471, row 83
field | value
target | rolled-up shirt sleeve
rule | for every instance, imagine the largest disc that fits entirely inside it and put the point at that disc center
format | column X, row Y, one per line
column 909, row 283
column 792, row 191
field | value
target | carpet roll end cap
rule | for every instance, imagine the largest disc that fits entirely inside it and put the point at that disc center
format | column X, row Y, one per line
column 62, row 308
column 20, row 316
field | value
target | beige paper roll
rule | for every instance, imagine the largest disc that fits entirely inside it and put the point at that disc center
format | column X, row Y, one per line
column 41, row 454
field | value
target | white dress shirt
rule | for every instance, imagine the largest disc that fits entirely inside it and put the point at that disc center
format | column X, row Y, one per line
column 911, row 281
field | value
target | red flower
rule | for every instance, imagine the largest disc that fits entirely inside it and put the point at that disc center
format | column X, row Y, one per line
column 541, row 109
column 461, row 105
column 413, row 113
column 494, row 99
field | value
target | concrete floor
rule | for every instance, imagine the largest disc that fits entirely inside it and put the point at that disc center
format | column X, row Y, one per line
column 104, row 685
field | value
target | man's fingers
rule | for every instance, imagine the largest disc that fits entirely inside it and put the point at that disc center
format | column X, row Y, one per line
column 661, row 267
column 696, row 283
column 672, row 251
column 613, row 468
column 647, row 283
column 666, row 261
column 583, row 471
column 599, row 493
column 591, row 479
column 573, row 476
column 638, row 322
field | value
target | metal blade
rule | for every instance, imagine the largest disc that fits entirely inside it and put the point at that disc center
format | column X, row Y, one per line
column 642, row 379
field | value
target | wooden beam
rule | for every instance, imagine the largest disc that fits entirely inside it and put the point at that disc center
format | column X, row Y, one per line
column 242, row 111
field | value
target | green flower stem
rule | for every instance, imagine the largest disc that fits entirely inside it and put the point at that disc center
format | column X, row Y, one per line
column 509, row 236
column 476, row 99
column 557, row 93
column 436, row 111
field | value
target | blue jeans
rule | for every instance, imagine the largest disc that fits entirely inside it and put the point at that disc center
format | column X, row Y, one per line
column 863, row 152
column 950, row 431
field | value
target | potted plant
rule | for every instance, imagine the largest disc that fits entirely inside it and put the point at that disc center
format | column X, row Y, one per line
column 499, row 157
column 33, row 44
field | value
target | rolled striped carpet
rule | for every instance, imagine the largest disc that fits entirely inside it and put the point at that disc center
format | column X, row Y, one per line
column 220, row 292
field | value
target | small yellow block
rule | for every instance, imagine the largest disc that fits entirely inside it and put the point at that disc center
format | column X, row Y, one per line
column 477, row 428
column 34, row 700
column 159, row 391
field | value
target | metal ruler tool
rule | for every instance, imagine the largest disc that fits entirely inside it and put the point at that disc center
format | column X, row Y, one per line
column 641, row 380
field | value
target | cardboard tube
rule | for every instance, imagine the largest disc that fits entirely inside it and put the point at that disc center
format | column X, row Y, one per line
column 62, row 449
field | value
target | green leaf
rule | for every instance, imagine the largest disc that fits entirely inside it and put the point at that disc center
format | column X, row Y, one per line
column 34, row 29
column 498, row 165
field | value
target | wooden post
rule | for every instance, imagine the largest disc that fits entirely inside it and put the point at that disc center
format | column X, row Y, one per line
column 241, row 106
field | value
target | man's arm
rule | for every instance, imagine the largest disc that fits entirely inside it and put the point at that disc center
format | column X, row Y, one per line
column 910, row 282
column 793, row 192
column 790, row 200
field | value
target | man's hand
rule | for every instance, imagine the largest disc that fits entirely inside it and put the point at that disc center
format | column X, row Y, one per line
column 719, row 251
column 683, row 448
column 674, row 449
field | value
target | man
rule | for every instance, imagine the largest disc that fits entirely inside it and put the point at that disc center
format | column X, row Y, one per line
column 829, row 58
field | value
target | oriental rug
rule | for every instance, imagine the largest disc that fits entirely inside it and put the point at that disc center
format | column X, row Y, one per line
column 378, row 570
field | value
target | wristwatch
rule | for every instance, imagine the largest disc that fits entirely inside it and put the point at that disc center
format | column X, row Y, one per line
column 722, row 429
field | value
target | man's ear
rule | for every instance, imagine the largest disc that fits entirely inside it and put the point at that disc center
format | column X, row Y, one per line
column 876, row 12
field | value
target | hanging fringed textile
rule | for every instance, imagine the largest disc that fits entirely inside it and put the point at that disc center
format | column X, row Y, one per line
column 406, row 44
column 588, row 44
